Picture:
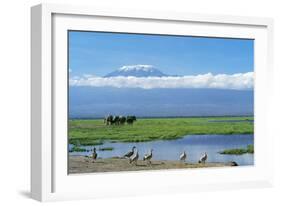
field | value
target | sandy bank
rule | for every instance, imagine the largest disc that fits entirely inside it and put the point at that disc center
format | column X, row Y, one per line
column 81, row 164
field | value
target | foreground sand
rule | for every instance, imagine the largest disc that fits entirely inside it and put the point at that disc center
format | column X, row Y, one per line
column 81, row 164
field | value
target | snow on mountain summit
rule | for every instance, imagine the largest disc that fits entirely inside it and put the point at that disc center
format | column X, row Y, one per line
column 137, row 71
column 143, row 67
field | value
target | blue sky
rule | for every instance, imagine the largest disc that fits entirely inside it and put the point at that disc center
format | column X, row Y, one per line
column 99, row 53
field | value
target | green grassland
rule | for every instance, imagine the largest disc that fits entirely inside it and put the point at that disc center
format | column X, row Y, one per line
column 95, row 132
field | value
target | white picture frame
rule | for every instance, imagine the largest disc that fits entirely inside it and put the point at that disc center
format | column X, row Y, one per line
column 49, row 178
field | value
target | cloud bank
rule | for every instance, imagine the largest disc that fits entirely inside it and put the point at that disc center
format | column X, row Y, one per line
column 239, row 81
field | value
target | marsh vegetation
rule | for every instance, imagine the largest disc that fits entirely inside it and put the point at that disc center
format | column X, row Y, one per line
column 238, row 151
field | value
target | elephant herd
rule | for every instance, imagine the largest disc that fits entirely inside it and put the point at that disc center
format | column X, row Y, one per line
column 119, row 120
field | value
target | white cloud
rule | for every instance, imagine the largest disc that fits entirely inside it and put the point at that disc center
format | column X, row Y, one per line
column 239, row 81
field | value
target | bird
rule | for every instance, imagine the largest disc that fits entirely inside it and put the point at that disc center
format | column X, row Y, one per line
column 147, row 157
column 130, row 153
column 134, row 157
column 233, row 163
column 203, row 158
column 183, row 156
column 94, row 155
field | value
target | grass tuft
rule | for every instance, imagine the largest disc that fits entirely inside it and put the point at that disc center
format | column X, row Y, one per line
column 106, row 149
column 239, row 151
column 77, row 149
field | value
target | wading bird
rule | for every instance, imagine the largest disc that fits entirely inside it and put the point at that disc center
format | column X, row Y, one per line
column 203, row 158
column 94, row 155
column 130, row 153
column 183, row 156
column 134, row 158
column 147, row 157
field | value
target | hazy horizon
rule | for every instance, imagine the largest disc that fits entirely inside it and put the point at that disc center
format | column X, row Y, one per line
column 91, row 102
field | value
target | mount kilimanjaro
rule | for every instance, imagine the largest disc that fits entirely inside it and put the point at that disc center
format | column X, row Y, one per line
column 98, row 101
column 137, row 71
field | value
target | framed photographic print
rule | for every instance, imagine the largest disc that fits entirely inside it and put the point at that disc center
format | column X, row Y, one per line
column 135, row 102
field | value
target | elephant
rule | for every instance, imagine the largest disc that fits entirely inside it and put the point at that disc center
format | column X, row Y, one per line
column 108, row 120
column 131, row 119
column 116, row 120
column 122, row 120
column 119, row 120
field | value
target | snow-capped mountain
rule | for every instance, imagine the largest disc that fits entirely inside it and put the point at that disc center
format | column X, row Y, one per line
column 137, row 71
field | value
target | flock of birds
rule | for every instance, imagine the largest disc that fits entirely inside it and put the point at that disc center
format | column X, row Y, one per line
column 133, row 156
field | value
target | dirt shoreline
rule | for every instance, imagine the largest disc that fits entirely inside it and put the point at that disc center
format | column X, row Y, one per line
column 82, row 164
